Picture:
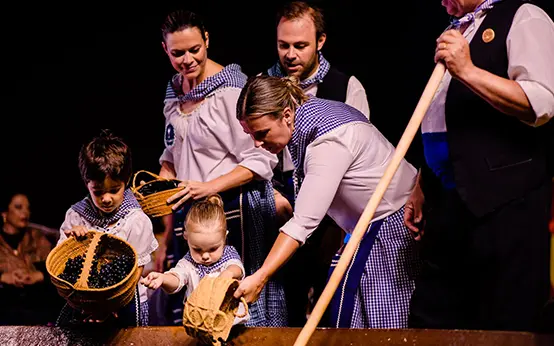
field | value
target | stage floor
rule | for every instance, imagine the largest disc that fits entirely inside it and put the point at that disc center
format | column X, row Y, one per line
column 154, row 336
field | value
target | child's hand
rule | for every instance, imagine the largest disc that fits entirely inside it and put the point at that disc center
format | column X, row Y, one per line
column 77, row 231
column 153, row 280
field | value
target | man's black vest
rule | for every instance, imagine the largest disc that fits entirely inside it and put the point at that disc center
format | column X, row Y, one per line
column 496, row 158
column 334, row 86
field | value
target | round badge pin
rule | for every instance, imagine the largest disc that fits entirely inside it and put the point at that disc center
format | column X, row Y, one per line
column 488, row 35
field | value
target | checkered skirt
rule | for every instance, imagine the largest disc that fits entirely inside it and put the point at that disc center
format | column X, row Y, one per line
column 385, row 284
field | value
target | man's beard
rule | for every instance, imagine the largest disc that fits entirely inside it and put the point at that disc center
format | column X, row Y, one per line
column 310, row 68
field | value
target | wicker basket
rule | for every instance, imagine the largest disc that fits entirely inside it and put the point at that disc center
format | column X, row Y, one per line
column 211, row 308
column 154, row 204
column 79, row 295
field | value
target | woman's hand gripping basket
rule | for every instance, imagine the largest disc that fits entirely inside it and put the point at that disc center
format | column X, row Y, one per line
column 210, row 310
column 152, row 195
column 96, row 274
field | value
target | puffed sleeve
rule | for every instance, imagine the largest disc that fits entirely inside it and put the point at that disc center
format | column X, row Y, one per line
column 184, row 271
column 170, row 103
column 141, row 236
column 237, row 142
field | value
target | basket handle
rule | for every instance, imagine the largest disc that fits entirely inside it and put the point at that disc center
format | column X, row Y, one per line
column 243, row 301
column 147, row 172
column 89, row 256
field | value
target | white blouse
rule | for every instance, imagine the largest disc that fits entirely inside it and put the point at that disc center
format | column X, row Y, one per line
column 135, row 228
column 210, row 142
column 189, row 276
column 342, row 169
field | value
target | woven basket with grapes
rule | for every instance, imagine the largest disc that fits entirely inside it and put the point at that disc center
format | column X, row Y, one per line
column 152, row 195
column 96, row 274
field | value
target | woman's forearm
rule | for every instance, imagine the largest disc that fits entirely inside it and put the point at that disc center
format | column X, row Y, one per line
column 282, row 250
column 237, row 177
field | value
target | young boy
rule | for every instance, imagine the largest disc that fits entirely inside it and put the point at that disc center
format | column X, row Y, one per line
column 105, row 166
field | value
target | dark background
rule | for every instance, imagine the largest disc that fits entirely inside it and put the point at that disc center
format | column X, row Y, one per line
column 77, row 68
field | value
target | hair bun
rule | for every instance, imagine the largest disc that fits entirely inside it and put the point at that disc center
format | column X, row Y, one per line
column 291, row 80
column 106, row 133
column 215, row 199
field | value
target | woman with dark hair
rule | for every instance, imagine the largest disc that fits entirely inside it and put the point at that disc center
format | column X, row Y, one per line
column 26, row 293
column 206, row 148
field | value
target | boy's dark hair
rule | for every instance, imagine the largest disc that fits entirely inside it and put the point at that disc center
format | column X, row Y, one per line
column 105, row 156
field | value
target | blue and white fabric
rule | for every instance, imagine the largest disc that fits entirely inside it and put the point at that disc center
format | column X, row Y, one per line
column 376, row 289
column 230, row 76
column 95, row 217
column 314, row 118
column 229, row 253
column 324, row 66
column 470, row 17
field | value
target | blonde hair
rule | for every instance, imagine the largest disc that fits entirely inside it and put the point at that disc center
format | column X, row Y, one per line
column 267, row 95
column 208, row 214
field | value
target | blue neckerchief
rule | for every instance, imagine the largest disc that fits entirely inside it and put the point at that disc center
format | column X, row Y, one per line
column 324, row 66
column 95, row 217
column 470, row 17
column 229, row 253
column 230, row 76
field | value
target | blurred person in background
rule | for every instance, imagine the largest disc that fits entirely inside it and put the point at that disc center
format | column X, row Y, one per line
column 27, row 296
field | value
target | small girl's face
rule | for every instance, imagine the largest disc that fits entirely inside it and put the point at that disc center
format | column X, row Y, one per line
column 206, row 246
column 106, row 195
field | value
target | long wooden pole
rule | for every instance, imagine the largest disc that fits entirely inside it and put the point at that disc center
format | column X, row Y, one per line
column 369, row 211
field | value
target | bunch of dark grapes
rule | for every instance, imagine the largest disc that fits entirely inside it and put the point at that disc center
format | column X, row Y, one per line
column 113, row 272
column 73, row 269
column 158, row 186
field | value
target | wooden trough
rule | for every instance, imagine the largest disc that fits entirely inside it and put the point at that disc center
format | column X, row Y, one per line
column 149, row 336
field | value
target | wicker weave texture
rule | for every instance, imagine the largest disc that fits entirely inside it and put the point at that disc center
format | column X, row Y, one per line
column 80, row 296
column 211, row 308
column 154, row 204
